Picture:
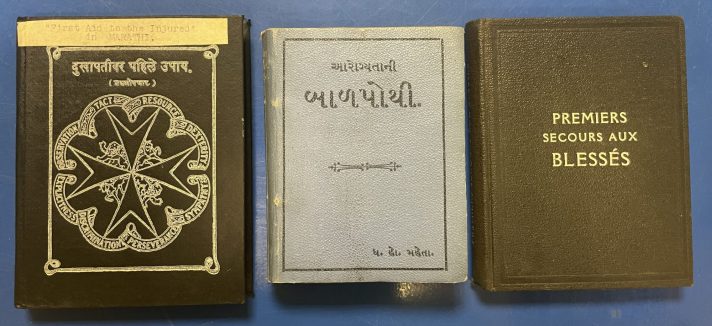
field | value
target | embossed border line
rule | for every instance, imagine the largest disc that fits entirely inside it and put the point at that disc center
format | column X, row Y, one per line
column 210, row 264
column 284, row 175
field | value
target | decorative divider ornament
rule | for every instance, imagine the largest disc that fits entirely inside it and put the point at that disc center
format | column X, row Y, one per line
column 338, row 167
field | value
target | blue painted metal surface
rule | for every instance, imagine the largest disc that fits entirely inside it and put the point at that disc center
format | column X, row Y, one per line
column 386, row 304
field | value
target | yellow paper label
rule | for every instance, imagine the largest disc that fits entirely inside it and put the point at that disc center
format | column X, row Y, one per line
column 122, row 31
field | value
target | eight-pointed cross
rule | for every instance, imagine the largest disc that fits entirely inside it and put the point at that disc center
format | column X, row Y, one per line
column 137, row 176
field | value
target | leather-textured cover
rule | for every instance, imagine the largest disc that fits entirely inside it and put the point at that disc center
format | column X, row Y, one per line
column 579, row 153
column 133, row 171
column 366, row 154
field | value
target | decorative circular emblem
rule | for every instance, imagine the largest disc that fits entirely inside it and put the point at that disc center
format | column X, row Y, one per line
column 122, row 186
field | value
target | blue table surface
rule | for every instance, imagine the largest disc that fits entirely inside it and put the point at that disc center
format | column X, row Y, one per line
column 377, row 304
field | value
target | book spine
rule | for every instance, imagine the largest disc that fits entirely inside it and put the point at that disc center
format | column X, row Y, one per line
column 479, row 158
column 20, row 177
column 247, row 136
column 273, row 132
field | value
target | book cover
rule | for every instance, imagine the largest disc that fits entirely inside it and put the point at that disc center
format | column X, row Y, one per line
column 133, row 158
column 579, row 153
column 365, row 154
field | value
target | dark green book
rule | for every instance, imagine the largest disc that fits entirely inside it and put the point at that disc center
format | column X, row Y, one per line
column 579, row 152
column 133, row 149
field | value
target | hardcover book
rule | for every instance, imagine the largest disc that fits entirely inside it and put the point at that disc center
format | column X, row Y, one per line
column 579, row 153
column 365, row 154
column 132, row 162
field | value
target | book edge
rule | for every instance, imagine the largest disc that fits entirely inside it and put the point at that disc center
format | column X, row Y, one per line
column 20, row 300
column 272, row 170
column 248, row 157
column 479, row 155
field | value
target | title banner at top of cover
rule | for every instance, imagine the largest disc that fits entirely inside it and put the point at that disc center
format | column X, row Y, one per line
column 122, row 31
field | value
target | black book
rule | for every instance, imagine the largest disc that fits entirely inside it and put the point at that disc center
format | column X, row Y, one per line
column 579, row 149
column 133, row 162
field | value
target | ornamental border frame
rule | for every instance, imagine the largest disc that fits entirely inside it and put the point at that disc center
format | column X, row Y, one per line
column 210, row 264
